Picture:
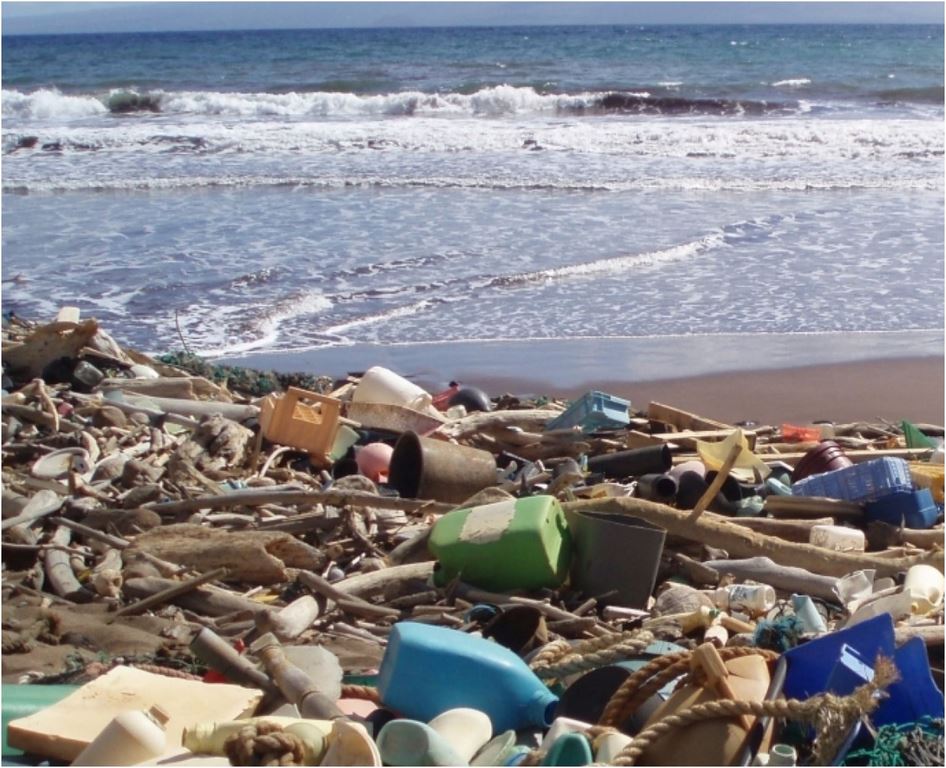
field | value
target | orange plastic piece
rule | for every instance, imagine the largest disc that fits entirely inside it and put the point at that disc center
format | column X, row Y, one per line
column 793, row 434
column 289, row 420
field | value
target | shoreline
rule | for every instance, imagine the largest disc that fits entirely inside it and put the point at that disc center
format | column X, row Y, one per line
column 766, row 377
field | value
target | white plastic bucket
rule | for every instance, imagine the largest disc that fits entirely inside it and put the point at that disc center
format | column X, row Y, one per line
column 379, row 385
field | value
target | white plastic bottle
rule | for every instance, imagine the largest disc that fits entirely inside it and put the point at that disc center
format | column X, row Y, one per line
column 754, row 599
column 131, row 737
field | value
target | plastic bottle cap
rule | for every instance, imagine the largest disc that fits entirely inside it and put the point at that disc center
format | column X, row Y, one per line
column 159, row 715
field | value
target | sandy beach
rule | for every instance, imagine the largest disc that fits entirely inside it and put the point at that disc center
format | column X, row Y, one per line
column 768, row 379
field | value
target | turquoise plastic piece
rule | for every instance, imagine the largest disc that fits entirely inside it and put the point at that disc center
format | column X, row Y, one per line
column 427, row 670
column 594, row 410
column 569, row 749
column 22, row 700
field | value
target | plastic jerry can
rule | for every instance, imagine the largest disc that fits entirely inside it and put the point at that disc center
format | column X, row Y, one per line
column 427, row 670
column 511, row 544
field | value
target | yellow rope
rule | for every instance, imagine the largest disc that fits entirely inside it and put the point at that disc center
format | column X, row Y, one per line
column 264, row 744
column 832, row 716
column 649, row 679
column 560, row 659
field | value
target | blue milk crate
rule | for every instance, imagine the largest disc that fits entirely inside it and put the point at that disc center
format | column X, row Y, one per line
column 867, row 481
column 594, row 411
column 914, row 509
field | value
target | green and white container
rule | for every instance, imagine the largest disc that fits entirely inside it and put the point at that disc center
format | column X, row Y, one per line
column 511, row 544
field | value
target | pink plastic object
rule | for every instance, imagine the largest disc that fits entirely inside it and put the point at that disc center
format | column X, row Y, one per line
column 374, row 460
column 795, row 434
column 441, row 401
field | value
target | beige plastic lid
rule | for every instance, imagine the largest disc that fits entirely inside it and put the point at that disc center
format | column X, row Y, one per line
column 159, row 715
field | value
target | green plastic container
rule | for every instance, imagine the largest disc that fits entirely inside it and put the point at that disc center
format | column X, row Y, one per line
column 22, row 700
column 514, row 544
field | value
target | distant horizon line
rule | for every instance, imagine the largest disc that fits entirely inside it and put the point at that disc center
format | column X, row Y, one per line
column 481, row 26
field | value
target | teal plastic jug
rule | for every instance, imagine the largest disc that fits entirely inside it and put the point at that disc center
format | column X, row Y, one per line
column 427, row 670
column 512, row 544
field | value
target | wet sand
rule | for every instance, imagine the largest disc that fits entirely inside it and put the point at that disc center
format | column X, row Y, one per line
column 769, row 380
column 910, row 388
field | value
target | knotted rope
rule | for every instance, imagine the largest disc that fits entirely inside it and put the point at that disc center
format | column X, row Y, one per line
column 560, row 659
column 649, row 679
column 264, row 744
column 365, row 692
column 831, row 715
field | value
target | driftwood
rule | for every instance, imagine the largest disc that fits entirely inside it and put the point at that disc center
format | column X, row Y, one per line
column 680, row 419
column 199, row 408
column 59, row 570
column 932, row 634
column 785, row 578
column 206, row 600
column 42, row 504
column 483, row 421
column 346, row 601
column 790, row 530
column 387, row 579
column 256, row 498
column 882, row 535
column 186, row 387
column 550, row 611
column 291, row 621
column 256, row 557
column 741, row 542
column 166, row 595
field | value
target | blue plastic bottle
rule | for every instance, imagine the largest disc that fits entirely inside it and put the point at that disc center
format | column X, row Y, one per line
column 427, row 670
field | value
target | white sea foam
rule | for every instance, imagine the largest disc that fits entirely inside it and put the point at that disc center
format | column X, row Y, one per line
column 792, row 82
column 44, row 104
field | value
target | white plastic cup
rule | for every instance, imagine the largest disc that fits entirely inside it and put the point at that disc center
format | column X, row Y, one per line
column 925, row 585
column 609, row 745
column 837, row 538
column 131, row 737
column 379, row 385
column 466, row 730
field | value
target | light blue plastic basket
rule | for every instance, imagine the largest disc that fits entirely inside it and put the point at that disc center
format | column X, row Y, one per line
column 594, row 410
column 867, row 481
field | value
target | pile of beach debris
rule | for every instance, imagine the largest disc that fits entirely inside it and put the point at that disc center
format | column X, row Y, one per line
column 341, row 554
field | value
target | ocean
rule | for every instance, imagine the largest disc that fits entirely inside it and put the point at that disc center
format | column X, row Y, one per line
column 656, row 201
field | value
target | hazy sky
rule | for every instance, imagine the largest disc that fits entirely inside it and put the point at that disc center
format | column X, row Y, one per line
column 64, row 17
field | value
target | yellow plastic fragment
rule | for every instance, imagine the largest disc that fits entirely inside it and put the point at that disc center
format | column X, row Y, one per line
column 747, row 463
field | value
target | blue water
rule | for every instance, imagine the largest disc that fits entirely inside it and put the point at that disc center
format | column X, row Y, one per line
column 280, row 191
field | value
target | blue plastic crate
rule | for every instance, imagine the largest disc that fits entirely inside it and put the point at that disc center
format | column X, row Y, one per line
column 867, row 481
column 914, row 509
column 593, row 411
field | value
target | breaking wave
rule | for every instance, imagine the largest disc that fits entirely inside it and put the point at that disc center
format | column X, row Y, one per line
column 495, row 101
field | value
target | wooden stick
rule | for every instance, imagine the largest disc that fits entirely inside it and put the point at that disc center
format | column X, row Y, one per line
column 261, row 497
column 741, row 542
column 92, row 533
column 42, row 504
column 168, row 594
column 716, row 486
column 59, row 571
column 346, row 601
column 558, row 614
column 790, row 530
column 206, row 600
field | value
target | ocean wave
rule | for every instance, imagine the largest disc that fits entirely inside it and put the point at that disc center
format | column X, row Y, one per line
column 463, row 288
column 663, row 183
column 792, row 83
column 493, row 101
column 930, row 95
